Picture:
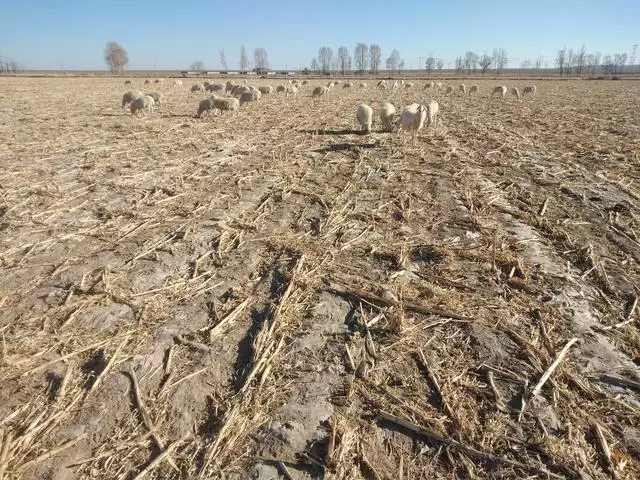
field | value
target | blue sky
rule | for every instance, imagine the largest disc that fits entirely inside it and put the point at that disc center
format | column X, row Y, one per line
column 171, row 34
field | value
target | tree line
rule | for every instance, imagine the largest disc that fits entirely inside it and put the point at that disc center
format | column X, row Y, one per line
column 8, row 65
column 579, row 62
column 365, row 58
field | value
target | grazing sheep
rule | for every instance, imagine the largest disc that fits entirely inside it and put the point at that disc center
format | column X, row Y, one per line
column 408, row 85
column 449, row 89
column 127, row 82
column 412, row 120
column 395, row 85
column 364, row 116
column 147, row 82
column 239, row 90
column 473, row 89
column 320, row 92
column 292, row 90
column 429, row 85
column 462, row 89
column 226, row 104
column 500, row 90
column 157, row 97
column 347, row 85
column 530, row 89
column 363, row 85
column 432, row 112
column 387, row 112
column 177, row 84
column 337, row 82
column 281, row 88
column 516, row 93
column 229, row 87
column 248, row 97
column 205, row 105
column 331, row 85
column 206, row 83
column 198, row 88
column 215, row 87
column 145, row 102
column 158, row 80
column 382, row 85
column 266, row 89
column 305, row 82
column 438, row 85
column 130, row 96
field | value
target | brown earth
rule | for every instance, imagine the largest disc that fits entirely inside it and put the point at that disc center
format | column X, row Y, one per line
column 277, row 296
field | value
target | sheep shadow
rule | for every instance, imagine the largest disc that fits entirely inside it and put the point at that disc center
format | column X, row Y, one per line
column 339, row 147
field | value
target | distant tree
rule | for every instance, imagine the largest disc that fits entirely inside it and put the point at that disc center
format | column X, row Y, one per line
column 197, row 66
column 538, row 63
column 571, row 61
column 471, row 62
column 430, row 64
column 393, row 61
column 500, row 59
column 260, row 59
column 581, row 58
column 314, row 65
column 343, row 56
column 116, row 57
column 349, row 63
column 561, row 60
column 526, row 64
column 459, row 64
column 223, row 60
column 608, row 64
column 360, row 57
column 619, row 60
column 335, row 64
column 440, row 64
column 375, row 57
column 596, row 61
column 401, row 65
column 485, row 62
column 325, row 57
column 244, row 60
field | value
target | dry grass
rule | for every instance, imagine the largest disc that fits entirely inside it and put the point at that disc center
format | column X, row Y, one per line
column 194, row 297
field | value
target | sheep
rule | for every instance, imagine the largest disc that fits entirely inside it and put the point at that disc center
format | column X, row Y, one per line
column 206, row 83
column 197, row 88
column 363, row 85
column 239, row 90
column 127, row 82
column 229, row 87
column 412, row 120
column 500, row 89
column 387, row 112
column 449, row 89
column 157, row 97
column 226, row 104
column 347, row 85
column 337, row 82
column 438, row 85
column 247, row 97
column 382, row 85
column 266, row 89
column 364, row 116
column 516, row 93
column 145, row 102
column 205, row 105
column 530, row 89
column 432, row 112
column 331, row 85
column 292, row 90
column 473, row 89
column 215, row 87
column 158, row 80
column 320, row 92
column 305, row 82
column 429, row 85
column 177, row 84
column 395, row 85
column 462, row 89
column 281, row 89
column 130, row 96
column 408, row 85
column 147, row 82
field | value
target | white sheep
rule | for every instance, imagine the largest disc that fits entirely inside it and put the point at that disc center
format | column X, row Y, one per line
column 147, row 82
column 157, row 97
column 229, row 87
column 158, row 80
column 364, row 116
column 432, row 112
column 130, row 96
column 177, row 84
column 347, row 85
column 319, row 93
column 337, row 82
column 215, row 87
column 292, row 91
column 408, row 85
column 363, row 85
column 473, row 89
column 449, row 89
column 266, row 89
column 197, row 88
column 429, row 85
column 500, row 90
column 331, row 84
column 127, row 82
column 438, row 85
column 516, row 93
column 205, row 105
column 305, row 82
column 145, row 102
column 462, row 89
column 240, row 89
column 387, row 113
column 226, row 104
column 281, row 89
column 412, row 120
column 530, row 89
column 395, row 85
column 382, row 85
column 248, row 97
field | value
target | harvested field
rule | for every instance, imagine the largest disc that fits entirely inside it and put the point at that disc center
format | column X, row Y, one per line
column 274, row 295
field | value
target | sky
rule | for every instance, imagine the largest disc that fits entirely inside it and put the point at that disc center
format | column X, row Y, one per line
column 65, row 34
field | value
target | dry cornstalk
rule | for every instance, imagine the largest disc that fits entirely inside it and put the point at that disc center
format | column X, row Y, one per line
column 108, row 367
column 50, row 454
column 603, row 448
column 165, row 454
column 4, row 452
column 552, row 367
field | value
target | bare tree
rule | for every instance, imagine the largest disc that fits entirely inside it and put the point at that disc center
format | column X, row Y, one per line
column 619, row 60
column 608, row 64
column 485, row 62
column 393, row 61
column 375, row 54
column 526, row 64
column 596, row 61
column 360, row 57
column 580, row 60
column 430, row 64
column 116, row 57
column 223, row 60
column 561, row 60
column 571, row 61
column 325, row 57
column 538, row 63
column 343, row 56
column 632, row 58
column 471, row 62
column 401, row 65
column 440, row 64
column 244, row 60
column 260, row 59
column 459, row 64
column 314, row 65
column 197, row 66
column 500, row 59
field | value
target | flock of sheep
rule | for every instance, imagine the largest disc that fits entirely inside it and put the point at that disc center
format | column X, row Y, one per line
column 412, row 118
